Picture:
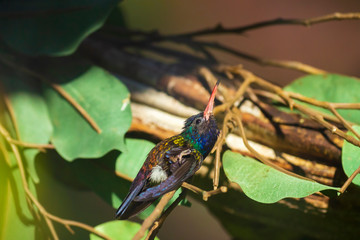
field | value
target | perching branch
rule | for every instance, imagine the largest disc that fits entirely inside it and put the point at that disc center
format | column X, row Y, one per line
column 154, row 215
column 158, row 223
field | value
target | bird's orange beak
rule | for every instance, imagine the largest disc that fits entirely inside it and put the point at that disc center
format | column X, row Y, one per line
column 210, row 105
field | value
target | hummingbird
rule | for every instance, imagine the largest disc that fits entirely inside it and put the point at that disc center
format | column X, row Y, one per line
column 172, row 161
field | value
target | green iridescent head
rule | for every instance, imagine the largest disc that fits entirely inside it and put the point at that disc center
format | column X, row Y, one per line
column 201, row 133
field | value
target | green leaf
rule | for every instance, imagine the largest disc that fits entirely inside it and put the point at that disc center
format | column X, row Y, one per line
column 30, row 114
column 263, row 183
column 102, row 96
column 130, row 162
column 16, row 221
column 54, row 27
column 330, row 88
column 121, row 230
column 351, row 158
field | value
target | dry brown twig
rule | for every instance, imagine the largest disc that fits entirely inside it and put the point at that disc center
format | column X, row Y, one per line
column 294, row 65
column 276, row 98
column 279, row 21
column 218, row 147
column 40, row 147
column 154, row 215
column 332, row 107
column 159, row 222
column 349, row 180
column 219, row 29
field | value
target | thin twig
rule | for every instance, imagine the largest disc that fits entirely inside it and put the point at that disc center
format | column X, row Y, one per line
column 221, row 189
column 11, row 113
column 323, row 104
column 192, row 188
column 41, row 147
column 279, row 21
column 154, row 215
column 294, row 65
column 349, row 180
column 205, row 194
column 76, row 105
column 327, row 125
column 219, row 29
column 219, row 146
column 330, row 106
column 158, row 224
column 273, row 96
column 343, row 121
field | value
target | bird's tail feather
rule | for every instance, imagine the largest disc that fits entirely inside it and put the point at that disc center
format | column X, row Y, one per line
column 130, row 208
column 125, row 204
column 133, row 209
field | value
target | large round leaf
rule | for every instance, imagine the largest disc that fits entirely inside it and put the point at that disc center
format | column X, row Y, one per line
column 330, row 88
column 121, row 230
column 54, row 27
column 263, row 183
column 102, row 96
column 351, row 158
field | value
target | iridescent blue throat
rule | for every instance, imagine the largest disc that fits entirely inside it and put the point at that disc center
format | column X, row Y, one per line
column 203, row 142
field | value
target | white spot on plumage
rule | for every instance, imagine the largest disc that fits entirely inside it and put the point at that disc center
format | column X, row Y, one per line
column 157, row 174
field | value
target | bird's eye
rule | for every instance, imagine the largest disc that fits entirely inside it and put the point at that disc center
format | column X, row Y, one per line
column 198, row 121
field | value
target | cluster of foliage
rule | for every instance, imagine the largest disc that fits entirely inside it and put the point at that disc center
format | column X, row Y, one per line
column 35, row 112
